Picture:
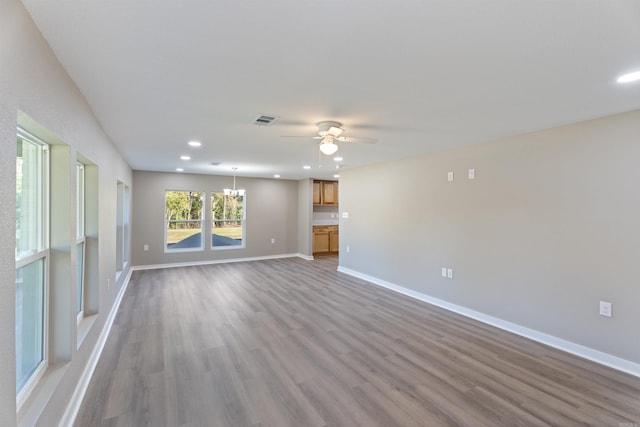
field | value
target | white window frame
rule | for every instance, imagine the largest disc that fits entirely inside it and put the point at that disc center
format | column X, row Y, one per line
column 43, row 253
column 243, row 219
column 80, row 239
column 201, row 221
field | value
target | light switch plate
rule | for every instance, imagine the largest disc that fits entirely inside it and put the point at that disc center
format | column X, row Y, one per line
column 444, row 272
column 450, row 273
column 450, row 176
column 606, row 309
column 345, row 215
column 472, row 174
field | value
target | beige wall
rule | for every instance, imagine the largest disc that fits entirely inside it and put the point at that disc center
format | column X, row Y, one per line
column 549, row 227
column 271, row 208
column 33, row 82
column 305, row 215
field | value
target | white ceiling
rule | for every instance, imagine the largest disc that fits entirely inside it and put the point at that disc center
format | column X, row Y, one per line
column 420, row 76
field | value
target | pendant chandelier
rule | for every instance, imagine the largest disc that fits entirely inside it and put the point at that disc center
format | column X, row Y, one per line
column 233, row 192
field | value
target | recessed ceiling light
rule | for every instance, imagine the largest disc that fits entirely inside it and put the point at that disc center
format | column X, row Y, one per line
column 179, row 170
column 195, row 143
column 631, row 77
column 336, row 176
column 185, row 157
column 276, row 176
column 337, row 159
column 306, row 167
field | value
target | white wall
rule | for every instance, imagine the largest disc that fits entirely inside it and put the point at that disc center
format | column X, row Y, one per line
column 33, row 82
column 549, row 227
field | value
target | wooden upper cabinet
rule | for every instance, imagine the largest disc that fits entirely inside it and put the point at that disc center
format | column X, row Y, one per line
column 329, row 193
column 317, row 188
column 325, row 193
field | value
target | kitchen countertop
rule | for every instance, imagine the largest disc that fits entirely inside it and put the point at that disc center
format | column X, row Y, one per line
column 325, row 222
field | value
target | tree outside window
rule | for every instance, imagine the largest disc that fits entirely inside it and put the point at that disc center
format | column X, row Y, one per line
column 183, row 219
column 228, row 220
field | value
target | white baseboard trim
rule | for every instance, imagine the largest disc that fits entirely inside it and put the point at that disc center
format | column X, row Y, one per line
column 218, row 261
column 69, row 416
column 605, row 359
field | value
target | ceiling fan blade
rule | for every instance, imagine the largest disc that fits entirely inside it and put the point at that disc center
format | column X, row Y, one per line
column 357, row 139
column 335, row 131
column 296, row 136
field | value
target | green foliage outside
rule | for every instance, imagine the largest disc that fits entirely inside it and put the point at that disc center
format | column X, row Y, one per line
column 228, row 215
column 227, row 210
column 183, row 206
column 184, row 210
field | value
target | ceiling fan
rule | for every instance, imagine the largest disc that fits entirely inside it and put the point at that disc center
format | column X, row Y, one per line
column 330, row 133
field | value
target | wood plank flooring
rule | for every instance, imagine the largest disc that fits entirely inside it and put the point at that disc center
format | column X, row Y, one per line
column 291, row 342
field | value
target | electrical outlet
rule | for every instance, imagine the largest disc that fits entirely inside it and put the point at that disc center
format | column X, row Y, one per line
column 606, row 309
column 348, row 248
column 273, row 240
column 449, row 273
column 146, row 247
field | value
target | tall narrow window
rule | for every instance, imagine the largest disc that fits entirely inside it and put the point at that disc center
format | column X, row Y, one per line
column 122, row 227
column 80, row 240
column 32, row 259
column 183, row 220
column 126, row 229
column 228, row 215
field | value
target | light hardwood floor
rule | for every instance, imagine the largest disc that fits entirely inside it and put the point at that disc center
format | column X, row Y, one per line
column 294, row 343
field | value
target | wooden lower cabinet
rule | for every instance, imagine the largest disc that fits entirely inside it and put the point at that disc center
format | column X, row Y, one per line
column 334, row 241
column 325, row 239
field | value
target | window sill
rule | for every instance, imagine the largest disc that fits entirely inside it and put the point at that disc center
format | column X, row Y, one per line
column 228, row 248
column 32, row 408
column 181, row 250
column 84, row 326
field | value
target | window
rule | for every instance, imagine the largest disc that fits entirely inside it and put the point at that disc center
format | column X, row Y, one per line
column 80, row 240
column 183, row 220
column 32, row 259
column 122, row 227
column 228, row 215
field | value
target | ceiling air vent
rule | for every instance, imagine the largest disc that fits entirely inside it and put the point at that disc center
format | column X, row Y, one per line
column 264, row 120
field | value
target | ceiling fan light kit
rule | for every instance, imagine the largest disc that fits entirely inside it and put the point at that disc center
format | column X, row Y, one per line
column 329, row 131
column 328, row 146
column 329, row 134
